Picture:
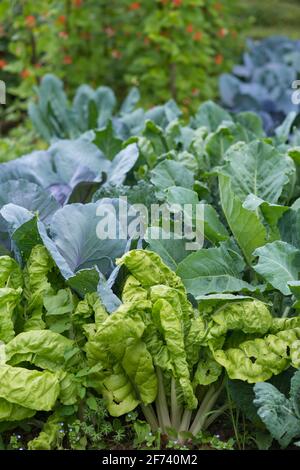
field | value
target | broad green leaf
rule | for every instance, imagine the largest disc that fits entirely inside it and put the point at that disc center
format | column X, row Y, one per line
column 122, row 163
column 49, row 436
column 283, row 131
column 272, row 213
column 214, row 230
column 252, row 122
column 245, row 225
column 107, row 142
column 279, row 264
column 155, row 135
column 37, row 285
column 257, row 168
column 277, row 412
column 212, row 270
column 171, row 250
column 30, row 196
column 246, row 316
column 210, row 115
column 167, row 312
column 78, row 256
column 289, row 227
column 10, row 273
column 128, row 374
column 29, row 388
column 9, row 299
column 130, row 101
column 259, row 359
column 170, row 173
column 12, row 412
column 43, row 348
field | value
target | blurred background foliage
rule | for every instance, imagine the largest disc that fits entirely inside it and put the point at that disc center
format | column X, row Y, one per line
column 168, row 48
column 271, row 17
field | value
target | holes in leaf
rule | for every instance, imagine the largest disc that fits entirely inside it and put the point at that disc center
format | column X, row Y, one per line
column 252, row 359
column 288, row 351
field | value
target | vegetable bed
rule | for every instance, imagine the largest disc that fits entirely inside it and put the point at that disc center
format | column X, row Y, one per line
column 137, row 341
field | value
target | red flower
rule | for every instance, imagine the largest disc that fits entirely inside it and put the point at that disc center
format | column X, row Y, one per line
column 110, row 31
column 30, row 21
column 61, row 19
column 134, row 6
column 38, row 66
column 63, row 34
column 222, row 32
column 177, row 3
column 198, row 36
column 116, row 54
column 219, row 59
column 190, row 28
column 67, row 60
column 25, row 73
column 3, row 64
column 77, row 3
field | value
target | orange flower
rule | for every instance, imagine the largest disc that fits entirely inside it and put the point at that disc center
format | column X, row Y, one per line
column 38, row 66
column 61, row 19
column 3, row 64
column 222, row 32
column 116, row 54
column 77, row 3
column 63, row 34
column 67, row 60
column 25, row 73
column 30, row 21
column 198, row 36
column 190, row 28
column 219, row 59
column 195, row 91
column 134, row 6
column 177, row 3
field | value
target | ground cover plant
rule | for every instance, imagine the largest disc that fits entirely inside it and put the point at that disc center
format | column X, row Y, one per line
column 135, row 340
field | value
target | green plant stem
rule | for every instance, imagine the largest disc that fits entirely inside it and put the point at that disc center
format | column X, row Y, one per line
column 213, row 416
column 206, row 406
column 286, row 312
column 176, row 409
column 161, row 403
column 198, row 420
column 186, row 420
column 234, row 422
column 150, row 417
